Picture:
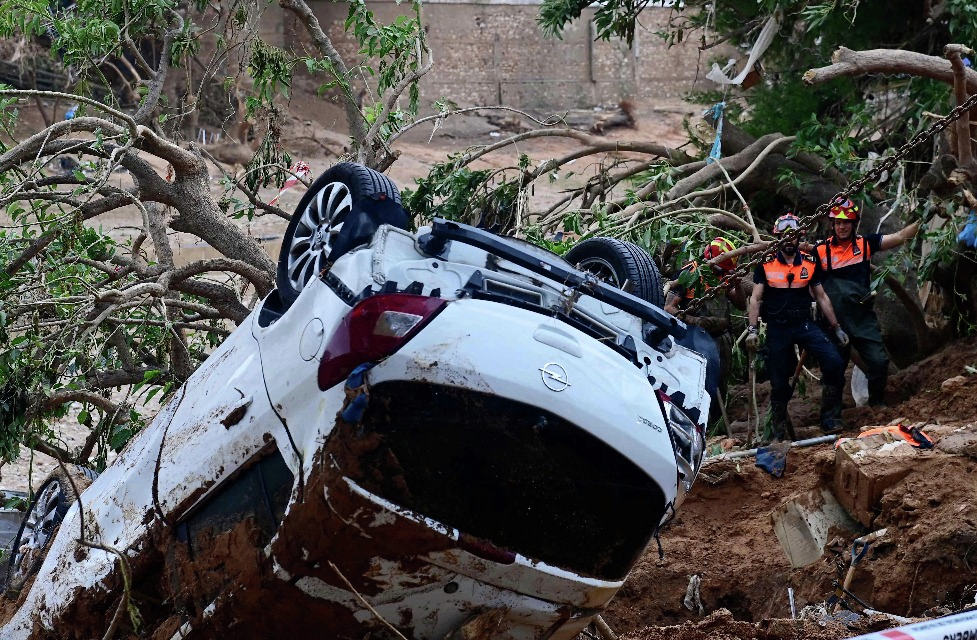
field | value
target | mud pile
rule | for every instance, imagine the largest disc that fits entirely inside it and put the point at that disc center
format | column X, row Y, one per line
column 721, row 625
column 925, row 565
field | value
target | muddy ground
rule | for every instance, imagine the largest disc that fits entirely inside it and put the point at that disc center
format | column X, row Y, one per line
column 927, row 564
column 723, row 533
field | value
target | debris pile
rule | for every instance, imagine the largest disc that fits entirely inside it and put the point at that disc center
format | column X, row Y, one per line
column 749, row 538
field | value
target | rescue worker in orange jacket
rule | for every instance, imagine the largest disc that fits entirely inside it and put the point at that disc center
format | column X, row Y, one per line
column 715, row 316
column 782, row 294
column 845, row 259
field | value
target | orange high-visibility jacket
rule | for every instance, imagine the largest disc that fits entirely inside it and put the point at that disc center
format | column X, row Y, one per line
column 796, row 274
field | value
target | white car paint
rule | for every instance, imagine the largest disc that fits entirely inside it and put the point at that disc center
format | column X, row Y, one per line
column 269, row 371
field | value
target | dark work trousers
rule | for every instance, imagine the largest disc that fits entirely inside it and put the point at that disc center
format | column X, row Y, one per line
column 781, row 338
column 862, row 326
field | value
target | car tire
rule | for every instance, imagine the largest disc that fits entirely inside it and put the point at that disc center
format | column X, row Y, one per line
column 614, row 261
column 311, row 237
column 51, row 502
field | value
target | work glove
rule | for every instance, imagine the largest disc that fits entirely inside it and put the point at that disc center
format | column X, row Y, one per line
column 753, row 341
column 841, row 336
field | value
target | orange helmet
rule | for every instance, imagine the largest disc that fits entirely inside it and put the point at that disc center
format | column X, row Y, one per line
column 785, row 222
column 718, row 247
column 846, row 210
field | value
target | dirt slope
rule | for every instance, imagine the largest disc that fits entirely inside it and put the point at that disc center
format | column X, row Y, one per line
column 723, row 532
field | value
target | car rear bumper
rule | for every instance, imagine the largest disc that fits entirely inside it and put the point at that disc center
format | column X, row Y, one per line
column 538, row 361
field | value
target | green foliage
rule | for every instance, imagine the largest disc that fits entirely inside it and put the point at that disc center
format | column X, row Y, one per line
column 613, row 18
column 482, row 197
column 271, row 69
column 48, row 343
column 15, row 502
column 397, row 50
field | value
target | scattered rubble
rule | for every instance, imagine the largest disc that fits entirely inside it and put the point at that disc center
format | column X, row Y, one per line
column 726, row 532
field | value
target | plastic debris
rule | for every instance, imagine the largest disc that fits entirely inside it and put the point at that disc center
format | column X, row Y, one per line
column 716, row 111
column 969, row 234
column 693, row 597
column 299, row 170
column 773, row 458
column 357, row 395
column 767, row 34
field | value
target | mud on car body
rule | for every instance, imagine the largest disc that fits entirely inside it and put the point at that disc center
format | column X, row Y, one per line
column 463, row 431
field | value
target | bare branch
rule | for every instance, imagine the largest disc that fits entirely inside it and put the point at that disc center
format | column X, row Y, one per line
column 357, row 124
column 596, row 143
column 964, row 148
column 846, row 62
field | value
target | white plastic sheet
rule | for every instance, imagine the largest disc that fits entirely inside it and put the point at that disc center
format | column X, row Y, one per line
column 770, row 29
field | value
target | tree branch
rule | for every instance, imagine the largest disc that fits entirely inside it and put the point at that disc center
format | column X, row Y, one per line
column 301, row 10
column 845, row 63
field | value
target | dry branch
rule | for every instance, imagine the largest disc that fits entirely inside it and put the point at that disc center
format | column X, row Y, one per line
column 847, row 63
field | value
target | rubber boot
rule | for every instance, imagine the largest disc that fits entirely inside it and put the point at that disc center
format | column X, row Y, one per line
column 831, row 409
column 876, row 390
column 778, row 420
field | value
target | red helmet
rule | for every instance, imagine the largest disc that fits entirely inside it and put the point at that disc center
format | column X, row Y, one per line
column 718, row 247
column 785, row 222
column 846, row 210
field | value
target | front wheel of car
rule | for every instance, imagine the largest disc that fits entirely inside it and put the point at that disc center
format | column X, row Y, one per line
column 616, row 261
column 345, row 191
column 55, row 496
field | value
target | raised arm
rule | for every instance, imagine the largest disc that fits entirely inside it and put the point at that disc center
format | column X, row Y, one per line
column 737, row 295
column 892, row 240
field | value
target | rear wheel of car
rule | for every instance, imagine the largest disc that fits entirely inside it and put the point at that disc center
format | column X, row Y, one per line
column 46, row 511
column 318, row 219
column 615, row 261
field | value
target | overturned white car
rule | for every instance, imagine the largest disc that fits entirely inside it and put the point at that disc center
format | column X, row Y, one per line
column 443, row 432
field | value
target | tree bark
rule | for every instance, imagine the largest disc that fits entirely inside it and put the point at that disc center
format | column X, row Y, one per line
column 848, row 63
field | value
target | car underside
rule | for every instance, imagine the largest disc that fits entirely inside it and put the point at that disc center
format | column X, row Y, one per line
column 443, row 432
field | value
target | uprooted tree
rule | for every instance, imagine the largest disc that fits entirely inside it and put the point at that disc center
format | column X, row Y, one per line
column 104, row 321
column 791, row 142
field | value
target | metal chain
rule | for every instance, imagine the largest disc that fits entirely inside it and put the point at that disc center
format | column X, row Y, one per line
column 855, row 187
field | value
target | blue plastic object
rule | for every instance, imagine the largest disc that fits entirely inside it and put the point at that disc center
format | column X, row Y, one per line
column 773, row 458
column 717, row 146
column 969, row 234
column 353, row 412
column 355, row 383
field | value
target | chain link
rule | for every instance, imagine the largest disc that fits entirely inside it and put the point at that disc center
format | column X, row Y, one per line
column 855, row 187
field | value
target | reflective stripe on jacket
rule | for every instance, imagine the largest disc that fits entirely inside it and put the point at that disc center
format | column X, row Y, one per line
column 781, row 275
column 834, row 256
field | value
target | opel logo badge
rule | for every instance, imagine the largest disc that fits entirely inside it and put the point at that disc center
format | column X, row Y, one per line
column 554, row 377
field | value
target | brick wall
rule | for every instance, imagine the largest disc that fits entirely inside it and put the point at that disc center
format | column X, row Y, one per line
column 493, row 52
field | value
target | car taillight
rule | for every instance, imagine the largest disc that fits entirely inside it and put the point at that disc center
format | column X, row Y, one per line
column 688, row 441
column 374, row 329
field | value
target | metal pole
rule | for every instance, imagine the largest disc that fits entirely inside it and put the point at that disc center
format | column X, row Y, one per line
column 748, row 453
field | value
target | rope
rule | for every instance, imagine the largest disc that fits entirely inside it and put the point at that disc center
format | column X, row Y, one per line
column 716, row 111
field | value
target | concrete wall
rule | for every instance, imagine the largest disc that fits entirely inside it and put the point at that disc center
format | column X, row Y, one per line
column 493, row 52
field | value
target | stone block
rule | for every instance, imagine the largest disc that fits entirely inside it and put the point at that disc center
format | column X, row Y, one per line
column 802, row 524
column 865, row 468
column 961, row 441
